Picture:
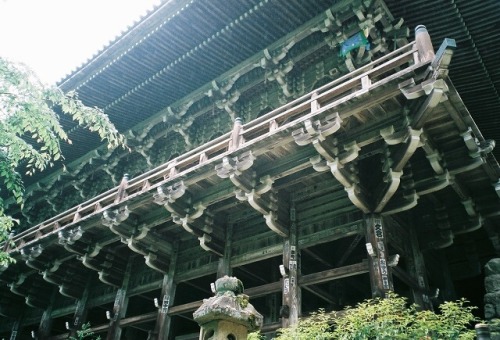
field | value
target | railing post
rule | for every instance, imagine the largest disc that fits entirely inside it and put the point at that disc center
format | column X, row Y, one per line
column 236, row 138
column 315, row 106
column 424, row 44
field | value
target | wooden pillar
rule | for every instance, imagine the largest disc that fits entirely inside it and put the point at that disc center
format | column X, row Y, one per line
column 224, row 266
column 46, row 321
column 16, row 327
column 417, row 266
column 447, row 290
column 273, row 300
column 376, row 245
column 163, row 320
column 120, row 305
column 291, row 307
column 81, row 311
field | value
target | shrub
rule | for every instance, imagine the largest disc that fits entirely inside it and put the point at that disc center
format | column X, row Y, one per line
column 384, row 319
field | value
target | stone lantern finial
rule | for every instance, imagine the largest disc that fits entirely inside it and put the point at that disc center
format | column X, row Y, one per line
column 228, row 315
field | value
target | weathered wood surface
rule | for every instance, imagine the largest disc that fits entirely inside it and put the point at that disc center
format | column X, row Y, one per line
column 254, row 133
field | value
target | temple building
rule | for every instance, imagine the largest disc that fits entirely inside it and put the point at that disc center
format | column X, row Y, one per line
column 323, row 152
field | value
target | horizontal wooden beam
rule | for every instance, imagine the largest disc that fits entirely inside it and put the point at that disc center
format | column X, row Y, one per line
column 321, row 293
column 406, row 278
column 263, row 290
column 185, row 308
column 334, row 274
column 270, row 327
column 134, row 320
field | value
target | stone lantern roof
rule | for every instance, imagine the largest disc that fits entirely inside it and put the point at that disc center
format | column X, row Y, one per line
column 229, row 304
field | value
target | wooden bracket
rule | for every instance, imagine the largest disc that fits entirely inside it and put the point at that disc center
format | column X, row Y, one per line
column 258, row 195
column 317, row 129
column 112, row 218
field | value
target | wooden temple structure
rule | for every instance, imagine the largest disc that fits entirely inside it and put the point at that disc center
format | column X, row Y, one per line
column 318, row 151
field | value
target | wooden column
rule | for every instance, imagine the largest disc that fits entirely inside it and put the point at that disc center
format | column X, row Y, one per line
column 16, row 327
column 417, row 266
column 81, row 310
column 120, row 305
column 163, row 320
column 46, row 321
column 376, row 245
column 290, row 310
column 447, row 290
column 224, row 267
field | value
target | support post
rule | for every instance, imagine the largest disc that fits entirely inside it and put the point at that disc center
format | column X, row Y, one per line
column 168, row 288
column 291, row 307
column 224, row 267
column 417, row 266
column 376, row 245
column 447, row 291
column 16, row 327
column 81, row 310
column 120, row 305
column 46, row 321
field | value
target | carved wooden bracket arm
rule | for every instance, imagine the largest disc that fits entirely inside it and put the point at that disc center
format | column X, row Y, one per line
column 259, row 195
column 195, row 218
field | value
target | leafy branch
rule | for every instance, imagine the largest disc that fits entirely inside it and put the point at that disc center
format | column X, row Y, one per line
column 31, row 132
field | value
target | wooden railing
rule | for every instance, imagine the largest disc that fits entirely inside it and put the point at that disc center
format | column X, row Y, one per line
column 312, row 105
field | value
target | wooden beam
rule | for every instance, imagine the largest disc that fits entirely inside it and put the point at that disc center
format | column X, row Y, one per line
column 270, row 327
column 405, row 277
column 316, row 257
column 250, row 274
column 354, row 243
column 138, row 319
column 321, row 293
column 263, row 290
column 185, row 308
column 334, row 274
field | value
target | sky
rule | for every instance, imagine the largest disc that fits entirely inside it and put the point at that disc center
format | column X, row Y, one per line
column 54, row 37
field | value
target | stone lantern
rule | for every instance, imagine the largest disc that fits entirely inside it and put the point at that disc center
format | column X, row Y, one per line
column 227, row 315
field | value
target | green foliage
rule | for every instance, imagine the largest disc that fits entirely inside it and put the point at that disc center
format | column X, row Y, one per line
column 317, row 326
column 384, row 319
column 85, row 334
column 255, row 336
column 31, row 133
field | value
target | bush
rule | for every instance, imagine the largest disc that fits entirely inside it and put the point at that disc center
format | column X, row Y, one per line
column 384, row 319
